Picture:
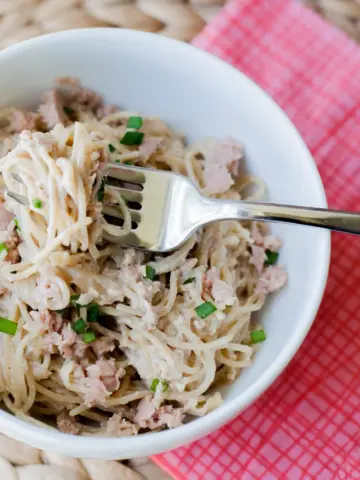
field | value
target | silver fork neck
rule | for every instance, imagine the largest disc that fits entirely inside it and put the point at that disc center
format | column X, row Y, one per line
column 213, row 210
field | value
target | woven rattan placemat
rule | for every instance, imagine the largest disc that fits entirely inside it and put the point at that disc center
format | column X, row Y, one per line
column 181, row 19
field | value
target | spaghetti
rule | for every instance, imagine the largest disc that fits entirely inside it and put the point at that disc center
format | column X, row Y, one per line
column 109, row 340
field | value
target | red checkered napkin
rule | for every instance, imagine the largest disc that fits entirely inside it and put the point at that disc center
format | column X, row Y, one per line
column 307, row 425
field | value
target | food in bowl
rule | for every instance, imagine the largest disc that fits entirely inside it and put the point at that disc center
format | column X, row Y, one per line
column 106, row 340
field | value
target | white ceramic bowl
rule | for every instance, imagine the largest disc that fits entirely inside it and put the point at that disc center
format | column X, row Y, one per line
column 199, row 95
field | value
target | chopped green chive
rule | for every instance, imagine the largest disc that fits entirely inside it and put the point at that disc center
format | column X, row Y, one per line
column 189, row 280
column 156, row 382
column 132, row 138
column 111, row 148
column 89, row 336
column 150, row 272
column 125, row 163
column 271, row 257
column 17, row 225
column 93, row 312
column 7, row 326
column 79, row 326
column 37, row 203
column 3, row 247
column 257, row 336
column 205, row 309
column 135, row 122
column 69, row 110
column 101, row 191
column 74, row 299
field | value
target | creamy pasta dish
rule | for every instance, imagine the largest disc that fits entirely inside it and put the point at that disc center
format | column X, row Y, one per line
column 99, row 339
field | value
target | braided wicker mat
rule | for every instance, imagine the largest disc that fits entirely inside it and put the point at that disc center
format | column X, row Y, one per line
column 181, row 19
column 21, row 462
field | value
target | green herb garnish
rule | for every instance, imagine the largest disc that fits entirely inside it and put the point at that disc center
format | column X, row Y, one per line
column 257, row 336
column 156, row 382
column 7, row 326
column 79, row 326
column 125, row 163
column 132, row 138
column 17, row 225
column 89, row 336
column 74, row 299
column 37, row 203
column 189, row 280
column 135, row 122
column 271, row 257
column 93, row 312
column 111, row 148
column 205, row 309
column 3, row 247
column 150, row 272
column 101, row 191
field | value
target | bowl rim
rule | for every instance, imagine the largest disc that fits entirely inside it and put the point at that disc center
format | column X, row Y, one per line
column 153, row 443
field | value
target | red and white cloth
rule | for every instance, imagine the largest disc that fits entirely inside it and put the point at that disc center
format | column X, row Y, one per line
column 307, row 425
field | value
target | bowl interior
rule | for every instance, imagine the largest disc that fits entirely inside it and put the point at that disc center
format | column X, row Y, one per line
column 200, row 96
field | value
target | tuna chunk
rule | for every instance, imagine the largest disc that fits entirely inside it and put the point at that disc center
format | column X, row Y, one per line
column 13, row 255
column 92, row 388
column 256, row 233
column 68, row 424
column 105, row 111
column 50, row 342
column 168, row 416
column 52, row 109
column 220, row 290
column 103, row 378
column 146, row 410
column 272, row 243
column 103, row 345
column 52, row 321
column 259, row 234
column 106, row 371
column 149, row 417
column 271, row 280
column 84, row 97
column 149, row 146
column 118, row 426
column 95, row 392
column 258, row 257
column 222, row 161
column 20, row 121
column 81, row 98
column 68, row 340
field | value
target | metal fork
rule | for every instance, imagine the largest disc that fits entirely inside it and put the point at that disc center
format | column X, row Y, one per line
column 166, row 209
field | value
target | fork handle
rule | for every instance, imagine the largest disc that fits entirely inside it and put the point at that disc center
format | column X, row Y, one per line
column 336, row 220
